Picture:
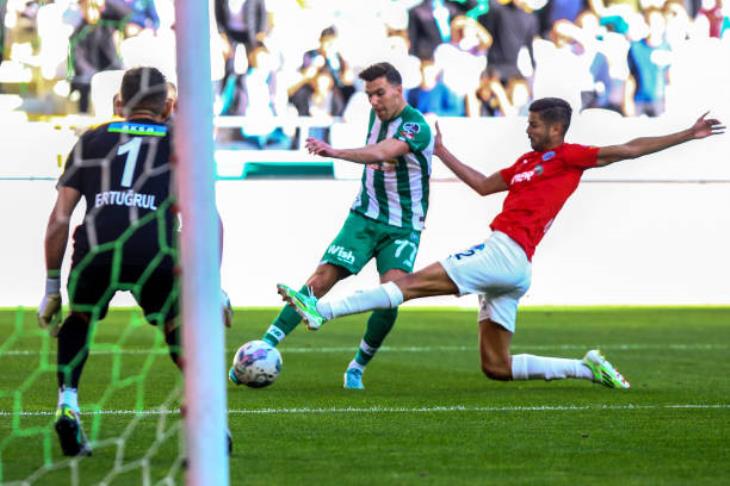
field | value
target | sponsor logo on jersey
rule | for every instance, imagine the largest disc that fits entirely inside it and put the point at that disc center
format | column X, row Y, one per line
column 341, row 253
column 548, row 155
column 523, row 177
column 527, row 176
column 138, row 129
column 125, row 198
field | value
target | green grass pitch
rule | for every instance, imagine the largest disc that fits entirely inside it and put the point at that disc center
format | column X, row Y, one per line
column 428, row 415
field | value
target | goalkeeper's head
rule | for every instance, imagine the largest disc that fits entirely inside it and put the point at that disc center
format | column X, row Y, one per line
column 144, row 91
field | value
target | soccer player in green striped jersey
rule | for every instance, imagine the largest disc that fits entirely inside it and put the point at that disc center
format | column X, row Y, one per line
column 388, row 215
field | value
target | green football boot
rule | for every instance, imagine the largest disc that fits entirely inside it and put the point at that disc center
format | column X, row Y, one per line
column 603, row 371
column 304, row 305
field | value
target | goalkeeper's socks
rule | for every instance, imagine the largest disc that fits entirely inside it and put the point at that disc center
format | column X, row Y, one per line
column 284, row 324
column 529, row 367
column 70, row 397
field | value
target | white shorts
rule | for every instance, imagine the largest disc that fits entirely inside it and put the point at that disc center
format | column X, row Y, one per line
column 499, row 271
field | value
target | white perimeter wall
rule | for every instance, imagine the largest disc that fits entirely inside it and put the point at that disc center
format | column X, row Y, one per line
column 652, row 231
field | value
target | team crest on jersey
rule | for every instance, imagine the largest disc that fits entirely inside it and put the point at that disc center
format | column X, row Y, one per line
column 410, row 130
column 548, row 155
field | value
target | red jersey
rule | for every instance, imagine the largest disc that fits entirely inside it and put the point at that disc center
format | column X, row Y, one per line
column 539, row 184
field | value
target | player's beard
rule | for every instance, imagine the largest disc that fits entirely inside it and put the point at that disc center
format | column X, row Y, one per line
column 538, row 144
column 383, row 114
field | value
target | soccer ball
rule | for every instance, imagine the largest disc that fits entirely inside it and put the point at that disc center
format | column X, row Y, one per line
column 256, row 364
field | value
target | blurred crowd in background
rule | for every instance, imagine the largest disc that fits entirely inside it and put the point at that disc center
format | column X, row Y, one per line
column 473, row 58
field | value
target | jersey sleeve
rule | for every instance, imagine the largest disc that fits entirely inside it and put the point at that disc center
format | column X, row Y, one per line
column 581, row 156
column 416, row 133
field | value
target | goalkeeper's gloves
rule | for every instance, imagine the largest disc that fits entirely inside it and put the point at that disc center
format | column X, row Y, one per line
column 227, row 309
column 49, row 312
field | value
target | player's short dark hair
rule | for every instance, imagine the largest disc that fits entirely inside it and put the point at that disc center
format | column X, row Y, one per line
column 328, row 32
column 144, row 88
column 553, row 110
column 381, row 69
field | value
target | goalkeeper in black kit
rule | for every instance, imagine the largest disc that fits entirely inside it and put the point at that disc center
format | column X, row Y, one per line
column 127, row 240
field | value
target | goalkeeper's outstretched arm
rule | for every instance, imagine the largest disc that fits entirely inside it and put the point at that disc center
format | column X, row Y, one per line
column 49, row 310
column 57, row 229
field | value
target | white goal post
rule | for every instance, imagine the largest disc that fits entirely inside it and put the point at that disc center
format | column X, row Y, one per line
column 203, row 339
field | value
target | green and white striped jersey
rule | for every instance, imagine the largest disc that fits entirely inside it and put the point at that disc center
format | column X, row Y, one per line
column 398, row 197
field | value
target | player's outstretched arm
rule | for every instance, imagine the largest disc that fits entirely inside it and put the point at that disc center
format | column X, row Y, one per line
column 58, row 223
column 638, row 147
column 386, row 151
column 482, row 184
column 49, row 311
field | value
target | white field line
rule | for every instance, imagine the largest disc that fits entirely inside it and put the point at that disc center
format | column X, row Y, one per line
column 414, row 349
column 390, row 410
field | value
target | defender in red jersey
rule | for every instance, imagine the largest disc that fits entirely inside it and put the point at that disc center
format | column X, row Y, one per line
column 539, row 184
column 499, row 270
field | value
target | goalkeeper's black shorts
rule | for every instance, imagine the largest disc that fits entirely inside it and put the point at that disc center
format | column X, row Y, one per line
column 91, row 288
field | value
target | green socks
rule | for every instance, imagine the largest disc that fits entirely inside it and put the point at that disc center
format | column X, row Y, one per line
column 379, row 325
column 284, row 323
